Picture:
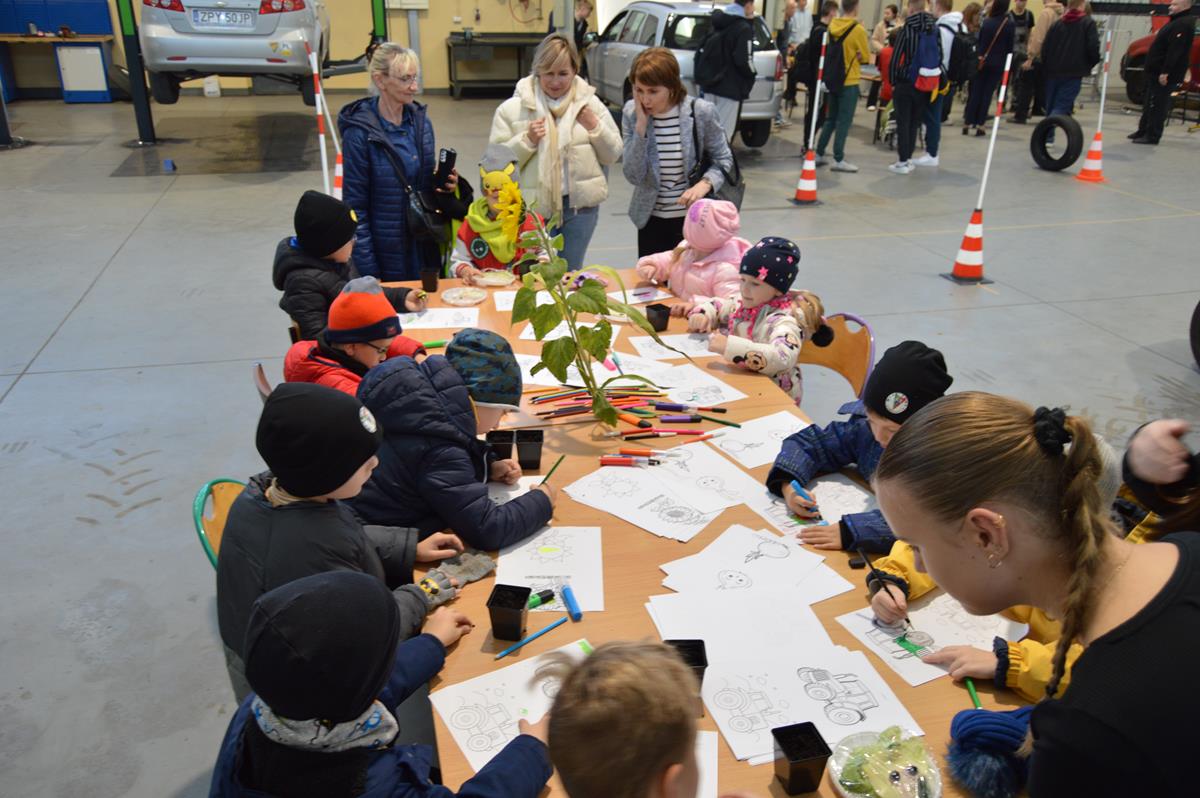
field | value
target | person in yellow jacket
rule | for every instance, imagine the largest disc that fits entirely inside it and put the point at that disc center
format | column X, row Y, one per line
column 1023, row 666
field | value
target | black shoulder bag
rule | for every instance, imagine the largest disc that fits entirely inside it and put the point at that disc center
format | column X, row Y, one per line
column 425, row 219
column 734, row 187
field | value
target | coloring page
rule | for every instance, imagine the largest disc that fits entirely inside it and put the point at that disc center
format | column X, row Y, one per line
column 500, row 493
column 758, row 442
column 694, row 344
column 641, row 295
column 440, row 318
column 552, row 557
column 636, row 495
column 706, row 756
column 505, row 299
column 732, row 622
column 543, row 377
column 482, row 713
column 937, row 621
column 561, row 331
column 693, row 386
column 703, row 478
column 654, row 370
column 773, row 510
column 837, row 690
column 836, row 495
column 741, row 558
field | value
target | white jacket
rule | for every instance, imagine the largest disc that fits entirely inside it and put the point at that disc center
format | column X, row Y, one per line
column 587, row 153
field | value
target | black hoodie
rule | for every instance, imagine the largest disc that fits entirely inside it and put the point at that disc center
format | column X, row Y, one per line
column 737, row 50
column 1171, row 49
column 1072, row 46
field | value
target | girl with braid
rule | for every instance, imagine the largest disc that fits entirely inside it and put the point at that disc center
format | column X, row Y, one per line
column 1000, row 505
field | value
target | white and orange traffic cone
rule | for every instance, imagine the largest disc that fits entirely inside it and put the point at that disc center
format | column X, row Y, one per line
column 337, row 177
column 968, row 266
column 806, row 189
column 1093, row 166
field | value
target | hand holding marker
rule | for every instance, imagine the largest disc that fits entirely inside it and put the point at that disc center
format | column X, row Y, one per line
column 806, row 497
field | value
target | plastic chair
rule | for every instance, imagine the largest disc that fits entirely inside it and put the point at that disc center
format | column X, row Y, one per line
column 210, row 527
column 261, row 382
column 851, row 352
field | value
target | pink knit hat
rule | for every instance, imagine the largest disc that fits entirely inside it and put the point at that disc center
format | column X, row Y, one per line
column 710, row 223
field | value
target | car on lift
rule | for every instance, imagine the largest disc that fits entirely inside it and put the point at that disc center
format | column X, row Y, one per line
column 188, row 39
column 1133, row 70
column 681, row 27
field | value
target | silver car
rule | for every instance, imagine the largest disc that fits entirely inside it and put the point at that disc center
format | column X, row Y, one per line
column 186, row 39
column 681, row 27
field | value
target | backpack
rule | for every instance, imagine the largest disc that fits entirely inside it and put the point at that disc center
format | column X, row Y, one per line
column 835, row 61
column 925, row 72
column 709, row 63
column 964, row 56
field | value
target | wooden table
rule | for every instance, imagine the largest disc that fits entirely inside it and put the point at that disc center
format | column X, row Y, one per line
column 631, row 573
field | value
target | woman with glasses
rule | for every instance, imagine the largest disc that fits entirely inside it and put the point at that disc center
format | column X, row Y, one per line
column 388, row 145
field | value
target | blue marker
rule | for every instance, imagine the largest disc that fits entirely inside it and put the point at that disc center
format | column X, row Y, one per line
column 796, row 486
column 531, row 638
column 568, row 596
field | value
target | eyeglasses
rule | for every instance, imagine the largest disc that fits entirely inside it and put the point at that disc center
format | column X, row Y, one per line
column 406, row 79
column 379, row 350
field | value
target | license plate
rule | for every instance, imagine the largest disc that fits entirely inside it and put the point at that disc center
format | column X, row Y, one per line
column 220, row 18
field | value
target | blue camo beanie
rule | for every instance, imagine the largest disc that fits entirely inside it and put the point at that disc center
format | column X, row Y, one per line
column 983, row 751
column 486, row 363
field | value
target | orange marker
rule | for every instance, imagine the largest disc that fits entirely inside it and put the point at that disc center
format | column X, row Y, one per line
column 629, row 418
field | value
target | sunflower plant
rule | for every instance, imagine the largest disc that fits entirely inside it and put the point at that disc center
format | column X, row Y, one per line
column 585, row 343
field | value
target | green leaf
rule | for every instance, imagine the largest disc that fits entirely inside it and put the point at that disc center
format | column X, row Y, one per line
column 537, row 367
column 557, row 242
column 635, row 377
column 530, row 281
column 552, row 272
column 601, row 337
column 595, row 290
column 639, row 319
column 558, row 355
column 604, row 412
column 524, row 304
column 612, row 273
column 545, row 318
column 580, row 302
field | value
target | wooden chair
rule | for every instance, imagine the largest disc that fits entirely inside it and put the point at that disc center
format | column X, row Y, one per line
column 851, row 351
column 211, row 525
column 261, row 382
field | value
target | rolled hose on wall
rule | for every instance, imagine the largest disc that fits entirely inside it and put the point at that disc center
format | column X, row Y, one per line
column 1053, row 124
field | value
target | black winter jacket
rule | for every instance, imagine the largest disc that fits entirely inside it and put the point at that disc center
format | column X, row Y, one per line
column 264, row 547
column 310, row 284
column 1171, row 49
column 1072, row 47
column 737, row 51
column 433, row 470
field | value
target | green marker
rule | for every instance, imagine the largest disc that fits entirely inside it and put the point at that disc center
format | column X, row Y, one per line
column 434, row 344
column 907, row 645
column 974, row 695
column 538, row 599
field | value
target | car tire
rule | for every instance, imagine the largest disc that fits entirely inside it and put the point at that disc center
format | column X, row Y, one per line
column 164, row 88
column 1037, row 142
column 755, row 134
column 1135, row 80
column 308, row 91
column 1196, row 334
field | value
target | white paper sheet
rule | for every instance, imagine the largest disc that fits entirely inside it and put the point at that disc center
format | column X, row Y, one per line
column 641, row 295
column 505, row 299
column 741, row 558
column 937, row 621
column 694, row 344
column 482, row 713
column 543, row 377
column 706, row 756
column 703, row 479
column 836, row 495
column 838, row 690
column 551, row 558
column 758, row 442
column 690, row 385
column 500, row 493
column 637, row 496
column 440, row 318
column 561, row 331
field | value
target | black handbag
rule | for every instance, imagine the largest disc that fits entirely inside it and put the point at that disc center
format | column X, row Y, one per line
column 734, row 187
column 425, row 219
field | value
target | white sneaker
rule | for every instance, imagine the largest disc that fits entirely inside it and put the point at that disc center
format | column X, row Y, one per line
column 901, row 167
column 872, row 108
column 843, row 166
column 927, row 160
column 822, row 161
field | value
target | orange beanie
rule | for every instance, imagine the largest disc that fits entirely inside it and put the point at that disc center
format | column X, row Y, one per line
column 361, row 313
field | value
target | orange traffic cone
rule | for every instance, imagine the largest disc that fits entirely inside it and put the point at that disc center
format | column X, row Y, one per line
column 1093, row 167
column 337, row 177
column 968, row 266
column 806, row 189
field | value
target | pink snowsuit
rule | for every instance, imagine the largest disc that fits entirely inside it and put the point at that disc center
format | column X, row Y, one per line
column 711, row 227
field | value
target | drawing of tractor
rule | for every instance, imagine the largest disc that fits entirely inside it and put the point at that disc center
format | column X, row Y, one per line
column 748, row 710
column 846, row 698
column 490, row 727
column 885, row 639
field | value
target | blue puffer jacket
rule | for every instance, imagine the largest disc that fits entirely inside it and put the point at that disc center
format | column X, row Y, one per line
column 433, row 471
column 520, row 770
column 820, row 450
column 383, row 247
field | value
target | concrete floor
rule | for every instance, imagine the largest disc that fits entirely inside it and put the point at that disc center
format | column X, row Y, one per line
column 133, row 307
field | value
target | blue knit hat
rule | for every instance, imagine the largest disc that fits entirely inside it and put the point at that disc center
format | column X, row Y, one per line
column 983, row 754
column 775, row 261
column 486, row 363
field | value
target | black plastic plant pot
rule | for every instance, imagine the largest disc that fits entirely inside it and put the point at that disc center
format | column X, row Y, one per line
column 429, row 280
column 695, row 656
column 801, row 754
column 501, row 443
column 509, row 608
column 529, row 448
column 658, row 315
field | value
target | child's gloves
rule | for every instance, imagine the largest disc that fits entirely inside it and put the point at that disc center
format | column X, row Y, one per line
column 437, row 589
column 470, row 566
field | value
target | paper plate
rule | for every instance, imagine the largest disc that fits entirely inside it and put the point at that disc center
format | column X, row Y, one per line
column 495, row 277
column 841, row 752
column 464, row 296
